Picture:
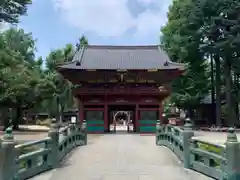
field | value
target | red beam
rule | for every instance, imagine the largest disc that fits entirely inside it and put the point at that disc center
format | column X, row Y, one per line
column 94, row 109
column 137, row 116
column 115, row 91
column 122, row 103
column 105, row 114
column 160, row 111
column 94, row 104
column 81, row 110
column 148, row 109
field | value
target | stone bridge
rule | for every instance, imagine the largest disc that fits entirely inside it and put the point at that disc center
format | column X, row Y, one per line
column 121, row 157
column 66, row 154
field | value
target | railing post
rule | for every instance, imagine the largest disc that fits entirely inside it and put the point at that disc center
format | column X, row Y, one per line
column 84, row 131
column 158, row 131
column 54, row 135
column 65, row 132
column 72, row 128
column 8, row 156
column 232, row 156
column 187, row 135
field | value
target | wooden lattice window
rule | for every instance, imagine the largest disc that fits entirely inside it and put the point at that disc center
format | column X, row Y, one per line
column 94, row 115
column 148, row 115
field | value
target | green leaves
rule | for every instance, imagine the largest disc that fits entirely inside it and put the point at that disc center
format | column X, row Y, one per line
column 11, row 10
column 181, row 41
column 81, row 42
column 23, row 80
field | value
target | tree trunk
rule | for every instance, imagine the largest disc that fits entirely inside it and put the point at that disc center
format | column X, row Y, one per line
column 212, row 81
column 5, row 117
column 190, row 113
column 237, row 99
column 228, row 80
column 236, row 104
column 16, row 120
column 61, row 113
column 58, row 116
column 218, row 91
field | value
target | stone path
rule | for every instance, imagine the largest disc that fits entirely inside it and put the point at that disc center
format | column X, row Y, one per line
column 121, row 157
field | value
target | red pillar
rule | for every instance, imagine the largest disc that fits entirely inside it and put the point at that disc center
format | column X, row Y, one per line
column 160, row 111
column 137, row 116
column 81, row 110
column 105, row 115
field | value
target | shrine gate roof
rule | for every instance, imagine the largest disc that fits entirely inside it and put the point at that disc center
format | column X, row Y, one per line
column 121, row 57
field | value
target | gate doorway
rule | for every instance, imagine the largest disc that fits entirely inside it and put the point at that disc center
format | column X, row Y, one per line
column 121, row 119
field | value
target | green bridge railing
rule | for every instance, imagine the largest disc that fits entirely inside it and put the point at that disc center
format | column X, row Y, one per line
column 217, row 161
column 22, row 161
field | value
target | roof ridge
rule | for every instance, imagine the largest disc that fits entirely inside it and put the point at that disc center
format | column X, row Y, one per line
column 167, row 60
column 122, row 46
column 79, row 61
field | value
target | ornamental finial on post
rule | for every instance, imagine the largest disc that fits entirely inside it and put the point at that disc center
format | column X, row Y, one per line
column 188, row 124
column 8, row 136
column 231, row 137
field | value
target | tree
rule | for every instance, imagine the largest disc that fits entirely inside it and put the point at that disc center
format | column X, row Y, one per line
column 180, row 40
column 213, row 28
column 220, row 32
column 62, row 97
column 11, row 10
column 81, row 42
column 204, row 12
column 23, row 83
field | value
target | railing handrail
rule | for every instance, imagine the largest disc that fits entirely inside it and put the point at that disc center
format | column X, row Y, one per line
column 32, row 143
column 16, row 164
column 195, row 139
column 220, row 162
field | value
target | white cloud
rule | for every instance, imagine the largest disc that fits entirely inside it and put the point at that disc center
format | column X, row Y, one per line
column 146, row 2
column 112, row 17
column 150, row 21
column 4, row 26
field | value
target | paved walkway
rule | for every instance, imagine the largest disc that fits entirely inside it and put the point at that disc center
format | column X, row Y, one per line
column 121, row 157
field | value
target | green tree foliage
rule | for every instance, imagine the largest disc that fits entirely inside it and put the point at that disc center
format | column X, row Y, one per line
column 23, row 82
column 81, row 42
column 199, row 29
column 63, row 97
column 181, row 41
column 220, row 35
column 12, row 9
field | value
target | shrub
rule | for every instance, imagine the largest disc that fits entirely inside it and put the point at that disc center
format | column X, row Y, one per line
column 23, row 164
column 210, row 147
column 46, row 122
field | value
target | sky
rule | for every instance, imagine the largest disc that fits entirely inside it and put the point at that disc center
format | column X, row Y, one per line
column 54, row 23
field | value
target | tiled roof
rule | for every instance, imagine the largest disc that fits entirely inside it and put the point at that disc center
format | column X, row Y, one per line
column 121, row 57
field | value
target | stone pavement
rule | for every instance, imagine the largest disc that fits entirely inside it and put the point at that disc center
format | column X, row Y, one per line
column 121, row 157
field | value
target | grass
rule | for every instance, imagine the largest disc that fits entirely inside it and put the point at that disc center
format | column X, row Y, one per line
column 46, row 122
column 24, row 164
column 213, row 149
column 210, row 148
